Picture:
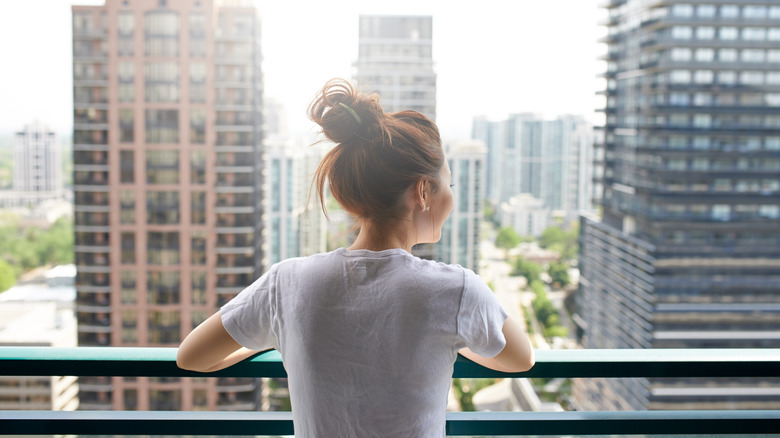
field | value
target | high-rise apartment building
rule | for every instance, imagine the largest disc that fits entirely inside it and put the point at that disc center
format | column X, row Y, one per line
column 460, row 235
column 687, row 253
column 295, row 224
column 167, row 181
column 37, row 160
column 37, row 172
column 547, row 158
column 395, row 60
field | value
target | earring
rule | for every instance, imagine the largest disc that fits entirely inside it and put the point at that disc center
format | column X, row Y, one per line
column 427, row 208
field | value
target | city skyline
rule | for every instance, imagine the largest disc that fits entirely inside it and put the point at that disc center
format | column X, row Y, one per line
column 492, row 49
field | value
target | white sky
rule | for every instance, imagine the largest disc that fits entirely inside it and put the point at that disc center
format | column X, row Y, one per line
column 492, row 57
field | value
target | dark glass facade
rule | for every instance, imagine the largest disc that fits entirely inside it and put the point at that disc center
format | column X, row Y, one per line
column 687, row 253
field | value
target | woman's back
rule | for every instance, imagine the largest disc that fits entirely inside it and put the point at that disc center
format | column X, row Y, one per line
column 368, row 338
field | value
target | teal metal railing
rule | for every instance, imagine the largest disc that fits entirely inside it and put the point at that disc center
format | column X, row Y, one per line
column 161, row 362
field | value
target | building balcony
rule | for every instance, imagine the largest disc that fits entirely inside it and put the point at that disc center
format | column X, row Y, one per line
column 160, row 362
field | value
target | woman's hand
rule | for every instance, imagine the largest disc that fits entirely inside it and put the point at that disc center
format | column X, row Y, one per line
column 210, row 348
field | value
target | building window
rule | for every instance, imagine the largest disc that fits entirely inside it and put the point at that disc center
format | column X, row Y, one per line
column 162, row 207
column 705, row 33
column 126, row 78
column 679, row 76
column 126, row 167
column 125, row 23
column 682, row 32
column 681, row 54
column 728, row 33
column 705, row 11
column 721, row 212
column 754, row 34
column 702, row 99
column 198, row 296
column 161, row 31
column 162, row 126
column 703, row 76
column 159, row 399
column 129, row 326
column 198, row 247
column 727, row 77
column 130, row 397
column 727, row 55
column 162, row 287
column 126, row 207
column 126, row 125
column 702, row 120
column 198, row 208
column 164, row 329
column 754, row 12
column 729, row 11
column 197, row 82
column 162, row 166
column 162, row 81
column 705, row 55
column 128, row 248
column 682, row 11
column 129, row 293
column 753, row 55
column 197, row 126
column 751, row 77
column 198, row 167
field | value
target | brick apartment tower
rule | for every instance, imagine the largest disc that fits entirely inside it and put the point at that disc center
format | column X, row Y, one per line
column 167, row 181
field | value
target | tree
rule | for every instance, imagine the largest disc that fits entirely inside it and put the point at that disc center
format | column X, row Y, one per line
column 532, row 271
column 7, row 276
column 507, row 238
column 563, row 242
column 559, row 272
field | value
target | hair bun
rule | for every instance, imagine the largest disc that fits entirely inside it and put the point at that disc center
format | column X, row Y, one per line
column 344, row 114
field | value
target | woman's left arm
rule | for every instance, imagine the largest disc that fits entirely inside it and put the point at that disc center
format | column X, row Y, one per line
column 210, row 348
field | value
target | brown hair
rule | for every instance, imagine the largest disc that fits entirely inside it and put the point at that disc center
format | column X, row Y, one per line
column 377, row 156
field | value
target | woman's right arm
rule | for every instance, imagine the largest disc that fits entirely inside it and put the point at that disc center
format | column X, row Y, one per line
column 210, row 348
column 517, row 355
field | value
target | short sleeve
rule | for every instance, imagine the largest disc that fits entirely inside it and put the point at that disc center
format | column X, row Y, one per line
column 480, row 317
column 248, row 317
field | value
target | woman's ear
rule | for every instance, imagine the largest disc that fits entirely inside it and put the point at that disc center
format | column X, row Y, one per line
column 421, row 195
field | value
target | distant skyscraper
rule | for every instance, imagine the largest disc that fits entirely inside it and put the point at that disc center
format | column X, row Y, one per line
column 395, row 60
column 37, row 167
column 168, row 183
column 546, row 158
column 687, row 253
column 460, row 235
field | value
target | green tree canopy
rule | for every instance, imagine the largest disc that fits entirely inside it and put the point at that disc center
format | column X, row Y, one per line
column 507, row 238
column 563, row 242
column 532, row 271
column 559, row 272
column 7, row 276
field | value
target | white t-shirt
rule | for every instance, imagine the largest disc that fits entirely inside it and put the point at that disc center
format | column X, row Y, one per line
column 368, row 338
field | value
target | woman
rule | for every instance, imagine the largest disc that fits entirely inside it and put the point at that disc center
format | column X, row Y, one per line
column 369, row 334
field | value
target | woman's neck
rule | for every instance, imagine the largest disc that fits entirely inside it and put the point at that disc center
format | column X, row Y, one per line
column 375, row 237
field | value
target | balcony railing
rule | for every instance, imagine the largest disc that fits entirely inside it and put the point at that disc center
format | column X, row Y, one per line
column 160, row 362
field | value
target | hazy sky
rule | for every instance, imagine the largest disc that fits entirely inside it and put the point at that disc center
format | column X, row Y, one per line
column 491, row 57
